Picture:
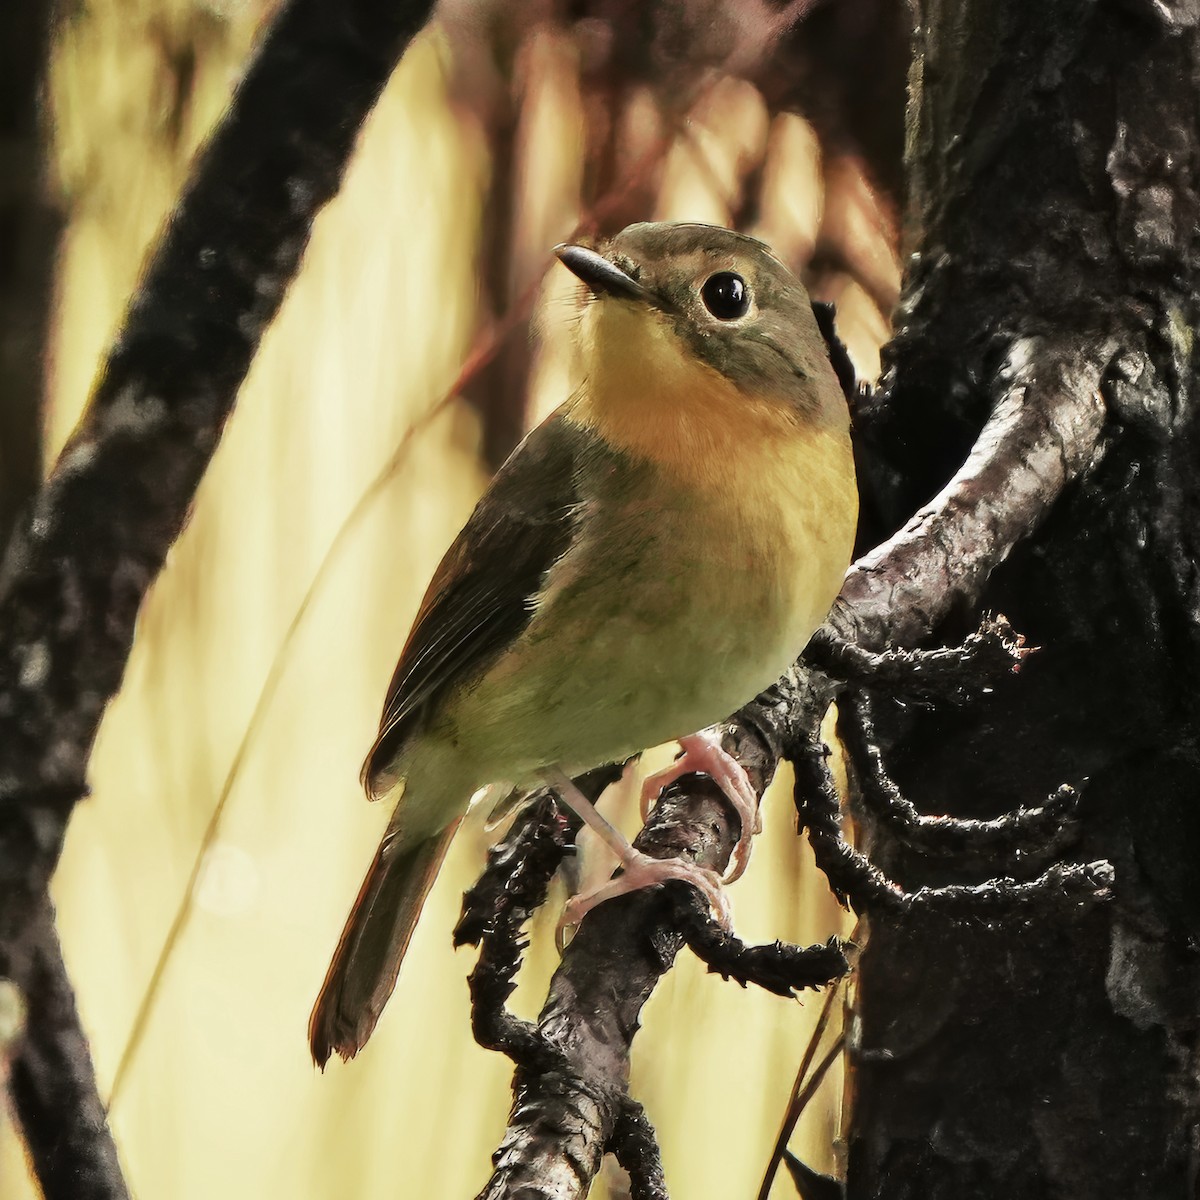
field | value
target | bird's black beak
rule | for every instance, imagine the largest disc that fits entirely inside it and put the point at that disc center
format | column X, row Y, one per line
column 603, row 277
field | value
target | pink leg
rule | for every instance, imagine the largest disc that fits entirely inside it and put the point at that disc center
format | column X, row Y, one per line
column 640, row 870
column 702, row 753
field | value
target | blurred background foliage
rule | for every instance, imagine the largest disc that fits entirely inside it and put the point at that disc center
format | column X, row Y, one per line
column 205, row 882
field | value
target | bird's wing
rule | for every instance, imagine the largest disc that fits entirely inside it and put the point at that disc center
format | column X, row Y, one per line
column 481, row 597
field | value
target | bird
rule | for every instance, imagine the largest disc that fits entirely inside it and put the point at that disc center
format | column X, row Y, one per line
column 651, row 557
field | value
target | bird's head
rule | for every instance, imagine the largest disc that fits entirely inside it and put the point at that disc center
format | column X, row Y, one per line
column 703, row 312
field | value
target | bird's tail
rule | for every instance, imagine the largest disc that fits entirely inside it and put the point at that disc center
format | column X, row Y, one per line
column 368, row 955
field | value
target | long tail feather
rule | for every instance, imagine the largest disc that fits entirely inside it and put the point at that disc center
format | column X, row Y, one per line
column 372, row 946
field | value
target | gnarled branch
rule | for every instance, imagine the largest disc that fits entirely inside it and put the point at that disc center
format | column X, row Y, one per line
column 1043, row 431
column 571, row 1087
column 83, row 558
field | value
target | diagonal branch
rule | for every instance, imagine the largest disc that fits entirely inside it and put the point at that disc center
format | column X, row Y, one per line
column 1043, row 432
column 563, row 1118
column 83, row 558
column 571, row 1102
column 52, row 1085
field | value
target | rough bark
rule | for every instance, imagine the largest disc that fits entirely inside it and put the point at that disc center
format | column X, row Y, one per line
column 84, row 554
column 1042, row 433
column 571, row 1101
column 1054, row 170
column 52, row 1085
column 81, row 561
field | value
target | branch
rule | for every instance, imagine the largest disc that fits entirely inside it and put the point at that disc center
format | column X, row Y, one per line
column 776, row 967
column 53, row 1086
column 562, row 1120
column 942, row 675
column 1043, row 432
column 84, row 556
column 512, row 887
column 859, row 884
column 571, row 1100
column 635, row 1148
column 85, row 553
column 1044, row 829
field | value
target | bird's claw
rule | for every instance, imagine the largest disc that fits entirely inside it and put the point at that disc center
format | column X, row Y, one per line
column 703, row 753
column 642, row 871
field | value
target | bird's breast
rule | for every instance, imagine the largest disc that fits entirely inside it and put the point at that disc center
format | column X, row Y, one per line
column 677, row 603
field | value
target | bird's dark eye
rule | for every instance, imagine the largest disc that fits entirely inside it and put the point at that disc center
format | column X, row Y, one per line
column 726, row 296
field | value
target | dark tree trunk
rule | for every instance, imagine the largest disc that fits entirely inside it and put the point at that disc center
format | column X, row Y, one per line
column 1054, row 173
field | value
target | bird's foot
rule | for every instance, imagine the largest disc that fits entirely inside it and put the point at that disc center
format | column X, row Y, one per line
column 641, row 871
column 702, row 752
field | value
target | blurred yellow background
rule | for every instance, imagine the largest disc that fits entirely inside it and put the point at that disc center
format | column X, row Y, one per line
column 345, row 400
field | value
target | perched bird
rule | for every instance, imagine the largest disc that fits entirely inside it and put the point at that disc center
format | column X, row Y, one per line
column 651, row 557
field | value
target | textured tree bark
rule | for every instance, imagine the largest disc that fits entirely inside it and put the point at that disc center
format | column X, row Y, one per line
column 1054, row 173
column 570, row 1090
column 52, row 1086
column 84, row 554
column 49, row 1080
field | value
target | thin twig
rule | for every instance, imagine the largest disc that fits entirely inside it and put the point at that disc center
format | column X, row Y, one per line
column 822, row 1069
column 803, row 1096
column 795, row 1107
